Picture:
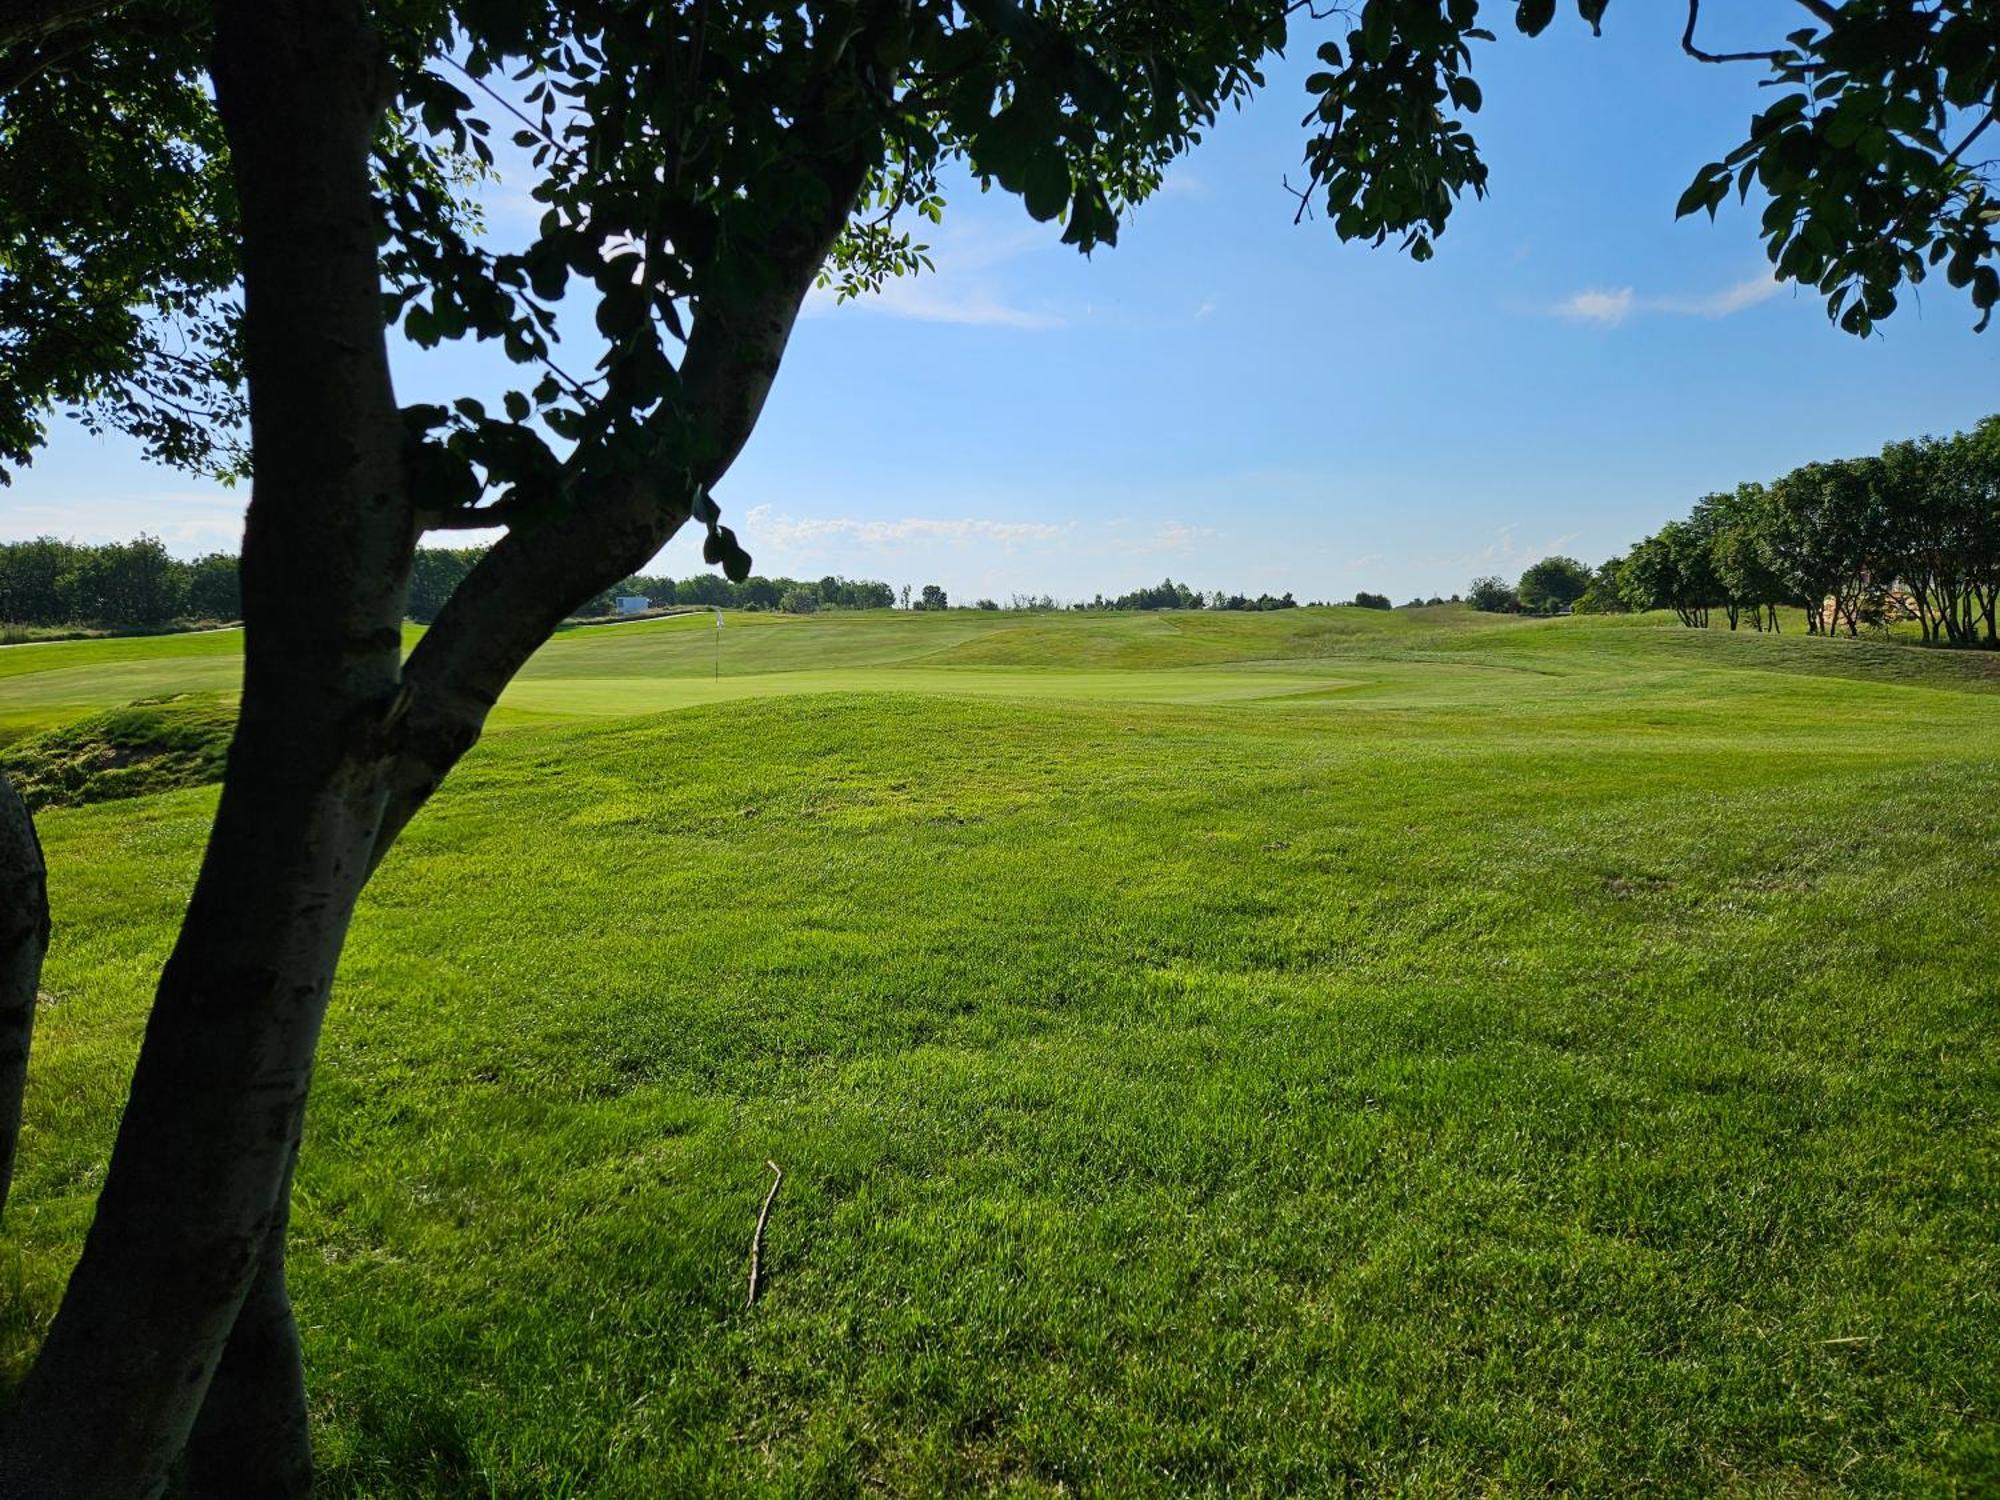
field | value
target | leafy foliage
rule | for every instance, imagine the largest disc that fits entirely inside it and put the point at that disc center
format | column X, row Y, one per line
column 1913, row 534
column 1552, row 584
column 132, row 585
column 1865, row 154
column 117, row 254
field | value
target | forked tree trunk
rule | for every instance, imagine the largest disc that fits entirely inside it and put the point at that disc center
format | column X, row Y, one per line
column 175, row 1335
column 195, row 1193
column 24, row 939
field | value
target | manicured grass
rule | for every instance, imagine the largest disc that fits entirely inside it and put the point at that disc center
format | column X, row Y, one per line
column 1268, row 1056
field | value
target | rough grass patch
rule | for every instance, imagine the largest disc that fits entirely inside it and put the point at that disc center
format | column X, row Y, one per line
column 154, row 745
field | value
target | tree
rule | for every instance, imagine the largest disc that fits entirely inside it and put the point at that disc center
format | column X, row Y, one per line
column 215, row 587
column 694, row 246
column 1671, row 570
column 1366, row 600
column 1492, row 594
column 1739, row 556
column 1603, row 596
column 24, row 938
column 1932, row 519
column 1552, row 585
column 799, row 601
column 434, row 573
column 1824, row 539
column 135, row 585
column 933, row 597
column 33, row 581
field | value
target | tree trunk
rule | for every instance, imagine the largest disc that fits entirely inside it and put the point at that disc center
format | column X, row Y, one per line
column 194, row 1194
column 175, row 1335
column 24, row 939
column 252, row 1440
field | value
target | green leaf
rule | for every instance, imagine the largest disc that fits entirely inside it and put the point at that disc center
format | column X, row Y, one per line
column 1532, row 17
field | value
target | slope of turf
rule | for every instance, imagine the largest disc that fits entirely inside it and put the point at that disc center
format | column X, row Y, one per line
column 154, row 745
column 655, row 665
column 1496, row 1058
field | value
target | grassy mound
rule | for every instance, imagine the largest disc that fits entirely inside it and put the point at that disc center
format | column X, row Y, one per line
column 154, row 745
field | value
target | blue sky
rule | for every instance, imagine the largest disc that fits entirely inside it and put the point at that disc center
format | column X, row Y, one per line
column 1247, row 404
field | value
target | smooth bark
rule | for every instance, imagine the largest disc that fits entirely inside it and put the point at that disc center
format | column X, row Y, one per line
column 212, row 1121
column 24, row 939
column 252, row 1440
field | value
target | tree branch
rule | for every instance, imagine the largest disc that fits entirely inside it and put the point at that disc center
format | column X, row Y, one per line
column 1688, row 46
column 516, row 595
column 32, row 20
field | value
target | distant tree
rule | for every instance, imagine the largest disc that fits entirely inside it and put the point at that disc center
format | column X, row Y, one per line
column 906, row 596
column 1491, row 594
column 933, row 597
column 1671, row 570
column 799, row 600
column 1934, row 513
column 434, row 573
column 1602, row 597
column 1552, row 584
column 705, row 589
column 1366, row 600
column 215, row 587
column 986, row 604
column 1739, row 557
column 1827, row 540
column 33, row 581
column 133, row 585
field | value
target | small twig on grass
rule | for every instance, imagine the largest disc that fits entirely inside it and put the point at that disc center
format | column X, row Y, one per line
column 757, row 1239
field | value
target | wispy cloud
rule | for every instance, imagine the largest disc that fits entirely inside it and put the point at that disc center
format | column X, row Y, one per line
column 1596, row 306
column 1504, row 551
column 1178, row 536
column 809, row 531
column 965, row 287
column 1610, row 306
column 188, row 521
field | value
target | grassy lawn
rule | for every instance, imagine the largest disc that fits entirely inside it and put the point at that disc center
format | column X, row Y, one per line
column 1225, row 1054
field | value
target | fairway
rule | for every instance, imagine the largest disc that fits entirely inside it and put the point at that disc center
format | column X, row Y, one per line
column 1312, row 1052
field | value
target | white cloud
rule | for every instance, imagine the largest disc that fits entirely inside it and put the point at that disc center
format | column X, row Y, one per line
column 1597, row 306
column 1610, row 306
column 1746, row 293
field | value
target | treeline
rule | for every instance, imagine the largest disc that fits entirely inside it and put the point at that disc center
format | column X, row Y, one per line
column 136, row 585
column 1167, row 594
column 438, row 570
column 1911, row 533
